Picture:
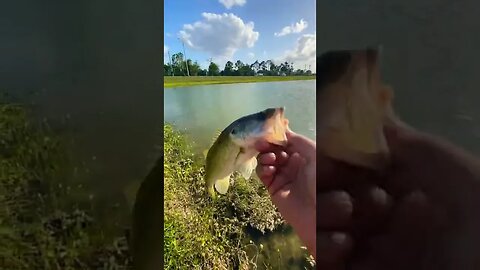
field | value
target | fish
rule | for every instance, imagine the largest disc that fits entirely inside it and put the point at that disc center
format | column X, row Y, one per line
column 234, row 148
column 353, row 105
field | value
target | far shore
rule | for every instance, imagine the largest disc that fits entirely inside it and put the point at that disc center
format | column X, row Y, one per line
column 179, row 81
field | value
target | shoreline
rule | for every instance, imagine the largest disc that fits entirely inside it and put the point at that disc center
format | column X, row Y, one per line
column 174, row 82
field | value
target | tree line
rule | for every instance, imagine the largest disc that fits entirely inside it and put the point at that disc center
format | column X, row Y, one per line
column 178, row 66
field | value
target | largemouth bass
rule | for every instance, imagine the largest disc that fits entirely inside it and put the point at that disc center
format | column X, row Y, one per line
column 234, row 149
column 353, row 106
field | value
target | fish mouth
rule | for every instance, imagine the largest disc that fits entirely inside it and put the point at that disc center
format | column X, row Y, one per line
column 368, row 58
column 273, row 112
column 280, row 110
column 276, row 126
column 336, row 65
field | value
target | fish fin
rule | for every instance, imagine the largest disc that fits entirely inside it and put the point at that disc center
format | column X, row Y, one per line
column 215, row 136
column 222, row 185
column 247, row 167
column 211, row 192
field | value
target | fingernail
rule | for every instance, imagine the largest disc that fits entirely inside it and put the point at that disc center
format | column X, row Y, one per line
column 270, row 169
column 283, row 154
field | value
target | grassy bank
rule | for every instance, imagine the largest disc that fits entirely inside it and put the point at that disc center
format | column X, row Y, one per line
column 201, row 233
column 46, row 222
column 170, row 82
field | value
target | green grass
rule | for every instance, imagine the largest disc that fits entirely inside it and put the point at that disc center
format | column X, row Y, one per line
column 176, row 81
column 41, row 225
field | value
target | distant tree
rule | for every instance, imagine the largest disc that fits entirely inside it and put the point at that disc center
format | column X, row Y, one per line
column 299, row 72
column 246, row 70
column 178, row 64
column 268, row 67
column 274, row 69
column 262, row 69
column 228, row 70
column 238, row 68
column 213, row 69
column 202, row 72
column 193, row 68
column 290, row 68
column 286, row 68
column 167, row 70
column 263, row 66
column 255, row 67
column 283, row 67
column 238, row 65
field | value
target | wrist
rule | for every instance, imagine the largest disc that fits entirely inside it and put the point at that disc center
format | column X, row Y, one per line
column 305, row 228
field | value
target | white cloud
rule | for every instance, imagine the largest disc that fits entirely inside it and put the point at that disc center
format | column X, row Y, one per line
column 251, row 55
column 297, row 27
column 165, row 49
column 304, row 52
column 230, row 3
column 221, row 35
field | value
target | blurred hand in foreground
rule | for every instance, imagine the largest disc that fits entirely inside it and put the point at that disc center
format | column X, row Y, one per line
column 421, row 212
column 289, row 173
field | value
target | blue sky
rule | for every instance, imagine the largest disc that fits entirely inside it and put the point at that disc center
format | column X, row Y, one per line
column 246, row 30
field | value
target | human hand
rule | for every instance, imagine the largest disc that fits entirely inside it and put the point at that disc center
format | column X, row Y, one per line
column 421, row 213
column 289, row 173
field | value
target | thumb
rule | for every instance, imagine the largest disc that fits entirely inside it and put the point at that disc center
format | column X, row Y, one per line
column 302, row 145
column 423, row 161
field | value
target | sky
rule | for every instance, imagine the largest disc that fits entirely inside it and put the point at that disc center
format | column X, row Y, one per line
column 246, row 30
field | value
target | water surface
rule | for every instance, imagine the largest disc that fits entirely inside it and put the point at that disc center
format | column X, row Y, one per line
column 202, row 111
